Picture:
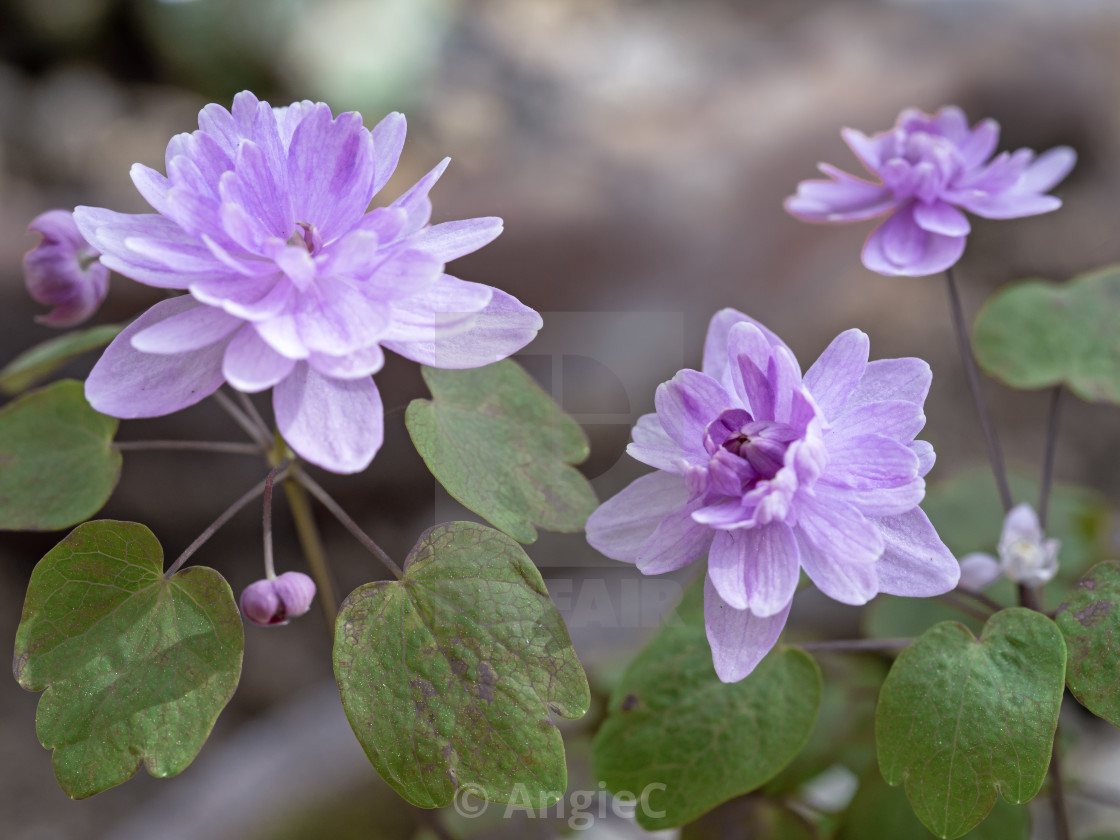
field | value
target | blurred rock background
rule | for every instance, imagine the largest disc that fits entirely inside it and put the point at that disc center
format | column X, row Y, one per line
column 639, row 151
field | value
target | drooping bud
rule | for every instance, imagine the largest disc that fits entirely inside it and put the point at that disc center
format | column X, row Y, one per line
column 1025, row 556
column 275, row 601
column 64, row 271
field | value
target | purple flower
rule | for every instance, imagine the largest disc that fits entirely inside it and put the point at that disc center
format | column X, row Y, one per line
column 63, row 270
column 770, row 472
column 276, row 600
column 292, row 284
column 1025, row 555
column 929, row 168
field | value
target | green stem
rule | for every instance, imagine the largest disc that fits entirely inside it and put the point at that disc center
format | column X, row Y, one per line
column 1048, row 455
column 1057, row 792
column 968, row 359
column 188, row 446
column 856, row 645
column 312, row 546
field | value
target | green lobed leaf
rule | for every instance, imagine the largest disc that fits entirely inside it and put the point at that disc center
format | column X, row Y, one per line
column 503, row 448
column 451, row 676
column 959, row 717
column 57, row 462
column 754, row 817
column 1035, row 334
column 880, row 812
column 134, row 667
column 1090, row 623
column 672, row 723
column 35, row 364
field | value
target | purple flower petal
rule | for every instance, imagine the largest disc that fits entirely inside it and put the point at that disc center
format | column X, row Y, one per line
column 334, row 318
column 871, row 151
column 250, row 298
column 739, row 638
column 716, row 361
column 330, row 170
column 844, row 198
column 892, row 379
column 128, row 383
column 899, row 247
column 871, row 462
column 980, row 144
column 652, row 446
column 755, row 568
column 1009, row 205
column 388, row 141
column 978, row 570
column 941, row 217
column 415, row 201
column 727, row 566
column 877, row 502
column 899, row 420
column 451, row 240
column 353, row 365
column 840, row 578
column 623, row 523
column 926, row 456
column 250, row 365
column 686, row 405
column 337, row 424
column 836, row 374
column 64, row 271
column 1047, row 170
column 676, row 542
column 192, row 329
column 453, row 341
column 915, row 563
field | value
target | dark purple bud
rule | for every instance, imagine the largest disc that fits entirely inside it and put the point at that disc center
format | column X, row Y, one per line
column 64, row 271
column 275, row 601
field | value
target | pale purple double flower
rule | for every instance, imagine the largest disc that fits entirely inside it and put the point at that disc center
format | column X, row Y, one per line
column 770, row 472
column 930, row 168
column 292, row 285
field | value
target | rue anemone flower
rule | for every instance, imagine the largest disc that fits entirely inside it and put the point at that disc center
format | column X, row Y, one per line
column 63, row 270
column 929, row 170
column 290, row 283
column 1025, row 555
column 769, row 472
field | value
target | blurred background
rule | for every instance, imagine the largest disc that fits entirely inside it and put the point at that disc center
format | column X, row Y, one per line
column 639, row 152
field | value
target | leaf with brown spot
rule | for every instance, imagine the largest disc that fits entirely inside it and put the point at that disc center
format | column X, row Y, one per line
column 449, row 676
column 1091, row 627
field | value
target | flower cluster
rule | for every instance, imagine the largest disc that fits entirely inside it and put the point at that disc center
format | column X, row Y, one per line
column 929, row 169
column 292, row 285
column 770, row 472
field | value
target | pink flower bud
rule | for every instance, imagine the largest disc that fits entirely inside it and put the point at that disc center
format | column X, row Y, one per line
column 275, row 601
column 64, row 271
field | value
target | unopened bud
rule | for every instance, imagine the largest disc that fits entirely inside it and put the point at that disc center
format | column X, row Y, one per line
column 275, row 601
column 64, row 271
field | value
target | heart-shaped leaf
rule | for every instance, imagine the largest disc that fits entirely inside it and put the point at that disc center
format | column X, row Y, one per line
column 34, row 365
column 451, row 676
column 1090, row 621
column 672, row 725
column 134, row 667
column 960, row 717
column 57, row 463
column 503, row 448
column 1035, row 334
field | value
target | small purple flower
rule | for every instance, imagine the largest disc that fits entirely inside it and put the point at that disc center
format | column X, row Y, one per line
column 1025, row 555
column 771, row 472
column 63, row 270
column 929, row 168
column 276, row 600
column 292, row 284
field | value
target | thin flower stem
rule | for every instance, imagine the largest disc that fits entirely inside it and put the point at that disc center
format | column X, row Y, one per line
column 266, row 518
column 964, row 343
column 240, row 418
column 253, row 414
column 1057, row 793
column 856, row 645
column 989, row 602
column 189, row 446
column 313, row 551
column 225, row 517
column 1048, row 454
column 350, row 525
column 948, row 599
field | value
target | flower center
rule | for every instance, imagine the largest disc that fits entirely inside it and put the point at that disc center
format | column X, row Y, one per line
column 745, row 451
column 305, row 235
